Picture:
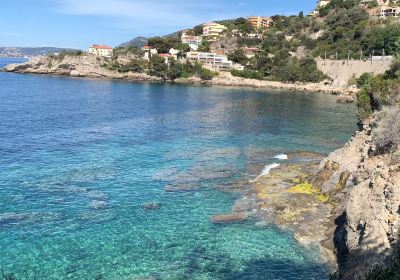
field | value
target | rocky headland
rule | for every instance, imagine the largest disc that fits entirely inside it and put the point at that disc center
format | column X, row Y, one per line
column 90, row 66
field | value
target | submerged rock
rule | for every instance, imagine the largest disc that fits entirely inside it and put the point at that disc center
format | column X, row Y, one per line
column 17, row 218
column 229, row 218
column 152, row 206
column 98, row 205
column 182, row 187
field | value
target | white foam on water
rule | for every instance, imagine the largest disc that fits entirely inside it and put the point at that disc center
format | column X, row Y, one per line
column 281, row 156
column 267, row 169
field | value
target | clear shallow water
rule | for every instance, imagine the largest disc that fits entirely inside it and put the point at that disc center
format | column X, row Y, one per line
column 68, row 146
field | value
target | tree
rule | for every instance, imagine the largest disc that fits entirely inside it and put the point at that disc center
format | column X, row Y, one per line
column 204, row 46
column 205, row 74
column 198, row 30
column 158, row 67
column 174, row 71
column 238, row 56
column 163, row 45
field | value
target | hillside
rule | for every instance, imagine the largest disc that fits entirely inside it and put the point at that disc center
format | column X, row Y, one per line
column 138, row 42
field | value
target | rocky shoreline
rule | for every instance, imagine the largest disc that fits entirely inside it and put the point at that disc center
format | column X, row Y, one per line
column 347, row 203
column 90, row 66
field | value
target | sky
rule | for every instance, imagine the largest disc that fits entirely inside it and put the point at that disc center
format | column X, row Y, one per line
column 80, row 23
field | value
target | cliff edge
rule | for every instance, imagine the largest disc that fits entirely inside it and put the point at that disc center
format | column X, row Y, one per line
column 366, row 186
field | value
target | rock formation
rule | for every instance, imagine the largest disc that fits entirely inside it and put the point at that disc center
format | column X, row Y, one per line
column 367, row 188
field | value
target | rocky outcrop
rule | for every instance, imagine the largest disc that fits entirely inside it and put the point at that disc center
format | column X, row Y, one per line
column 85, row 65
column 367, row 189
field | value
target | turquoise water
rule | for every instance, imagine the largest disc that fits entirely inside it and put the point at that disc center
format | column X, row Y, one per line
column 80, row 158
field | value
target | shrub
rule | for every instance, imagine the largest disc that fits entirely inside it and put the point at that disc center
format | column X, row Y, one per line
column 387, row 134
column 364, row 80
column 248, row 74
column 134, row 65
column 205, row 74
column 364, row 104
column 238, row 56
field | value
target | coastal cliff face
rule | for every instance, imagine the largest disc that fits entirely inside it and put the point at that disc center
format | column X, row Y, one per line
column 366, row 187
column 84, row 65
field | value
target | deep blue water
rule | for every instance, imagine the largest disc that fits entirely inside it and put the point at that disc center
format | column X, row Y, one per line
column 69, row 145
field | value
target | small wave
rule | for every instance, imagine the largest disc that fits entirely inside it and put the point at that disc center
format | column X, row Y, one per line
column 267, row 169
column 281, row 156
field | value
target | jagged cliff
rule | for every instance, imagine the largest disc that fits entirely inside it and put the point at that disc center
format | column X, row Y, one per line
column 366, row 187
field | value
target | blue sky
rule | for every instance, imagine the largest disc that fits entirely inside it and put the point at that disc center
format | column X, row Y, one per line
column 79, row 23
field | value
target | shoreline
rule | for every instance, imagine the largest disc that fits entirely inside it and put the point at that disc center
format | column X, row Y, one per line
column 84, row 67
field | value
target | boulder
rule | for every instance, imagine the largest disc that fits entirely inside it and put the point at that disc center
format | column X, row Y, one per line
column 345, row 99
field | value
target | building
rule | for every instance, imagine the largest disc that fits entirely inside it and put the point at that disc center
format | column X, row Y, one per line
column 387, row 11
column 191, row 40
column 216, row 61
column 101, row 50
column 251, row 52
column 321, row 4
column 167, row 57
column 213, row 30
column 148, row 52
column 260, row 22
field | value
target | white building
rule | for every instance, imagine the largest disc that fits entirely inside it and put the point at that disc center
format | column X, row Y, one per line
column 216, row 61
column 149, row 52
column 191, row 40
column 101, row 50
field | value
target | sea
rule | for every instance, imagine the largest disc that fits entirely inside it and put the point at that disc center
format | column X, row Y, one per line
column 87, row 167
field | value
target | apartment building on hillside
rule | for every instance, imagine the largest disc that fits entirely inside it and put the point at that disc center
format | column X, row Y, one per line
column 216, row 61
column 260, row 22
column 213, row 30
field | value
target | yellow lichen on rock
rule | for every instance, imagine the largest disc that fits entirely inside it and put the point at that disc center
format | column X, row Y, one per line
column 308, row 189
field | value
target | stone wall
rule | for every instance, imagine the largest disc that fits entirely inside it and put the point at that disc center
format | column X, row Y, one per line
column 341, row 71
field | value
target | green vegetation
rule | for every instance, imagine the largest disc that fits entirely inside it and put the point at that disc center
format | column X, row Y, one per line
column 248, row 74
column 163, row 45
column 204, row 46
column 238, row 56
column 240, row 24
column 378, row 91
column 63, row 54
column 157, row 67
column 128, row 50
column 187, row 69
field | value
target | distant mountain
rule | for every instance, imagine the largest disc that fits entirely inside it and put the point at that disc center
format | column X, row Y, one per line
column 138, row 42
column 29, row 52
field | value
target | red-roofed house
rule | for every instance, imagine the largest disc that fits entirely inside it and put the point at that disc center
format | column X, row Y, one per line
column 101, row 50
column 167, row 57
